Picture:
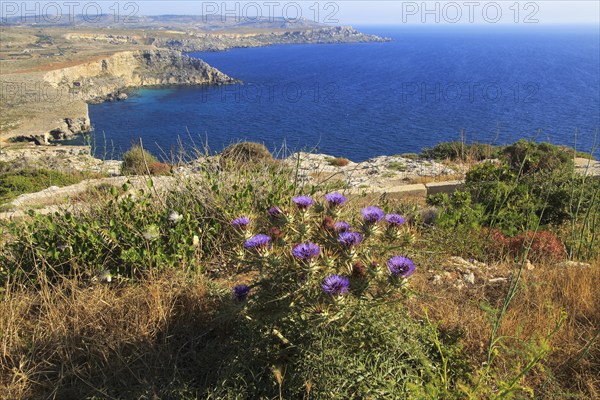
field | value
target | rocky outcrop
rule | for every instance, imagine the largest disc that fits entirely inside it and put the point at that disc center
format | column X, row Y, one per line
column 219, row 42
column 379, row 174
column 65, row 113
column 107, row 77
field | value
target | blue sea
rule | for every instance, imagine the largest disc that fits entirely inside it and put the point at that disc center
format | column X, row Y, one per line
column 430, row 84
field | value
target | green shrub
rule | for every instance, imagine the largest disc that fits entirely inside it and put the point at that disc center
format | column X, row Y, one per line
column 534, row 184
column 458, row 210
column 137, row 161
column 245, row 153
column 410, row 156
column 527, row 156
column 16, row 182
column 583, row 154
column 459, row 151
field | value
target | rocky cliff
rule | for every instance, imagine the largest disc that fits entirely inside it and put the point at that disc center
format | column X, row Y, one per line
column 104, row 78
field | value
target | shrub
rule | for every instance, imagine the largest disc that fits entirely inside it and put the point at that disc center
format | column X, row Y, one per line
column 410, row 156
column 542, row 245
column 244, row 153
column 458, row 210
column 158, row 168
column 137, row 161
column 16, row 182
column 527, row 156
column 459, row 151
column 338, row 161
column 532, row 184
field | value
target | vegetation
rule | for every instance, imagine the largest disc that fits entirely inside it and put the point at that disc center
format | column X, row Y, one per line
column 460, row 151
column 245, row 153
column 338, row 161
column 532, row 186
column 14, row 182
column 137, row 161
column 397, row 166
column 242, row 283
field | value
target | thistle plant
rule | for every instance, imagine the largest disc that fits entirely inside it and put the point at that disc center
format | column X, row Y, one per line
column 371, row 216
column 314, row 268
column 242, row 226
column 334, row 202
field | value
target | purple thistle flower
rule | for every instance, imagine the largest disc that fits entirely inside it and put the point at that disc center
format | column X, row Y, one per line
column 335, row 199
column 335, row 285
column 395, row 219
column 372, row 214
column 350, row 239
column 275, row 212
column 303, row 202
column 306, row 251
column 241, row 223
column 401, row 267
column 342, row 226
column 240, row 292
column 257, row 241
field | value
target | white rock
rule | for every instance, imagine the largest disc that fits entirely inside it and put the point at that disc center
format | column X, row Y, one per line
column 529, row 266
column 574, row 264
column 469, row 278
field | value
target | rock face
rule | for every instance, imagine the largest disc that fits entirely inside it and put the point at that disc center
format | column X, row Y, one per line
column 58, row 158
column 108, row 76
column 379, row 174
column 65, row 114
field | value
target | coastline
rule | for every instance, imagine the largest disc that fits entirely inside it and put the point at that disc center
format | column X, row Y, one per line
column 58, row 94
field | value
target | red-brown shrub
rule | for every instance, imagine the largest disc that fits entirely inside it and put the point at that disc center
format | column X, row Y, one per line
column 158, row 168
column 545, row 245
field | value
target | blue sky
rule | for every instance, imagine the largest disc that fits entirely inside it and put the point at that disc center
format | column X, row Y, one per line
column 362, row 12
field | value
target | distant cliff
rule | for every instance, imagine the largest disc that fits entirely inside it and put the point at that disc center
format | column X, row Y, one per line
column 224, row 41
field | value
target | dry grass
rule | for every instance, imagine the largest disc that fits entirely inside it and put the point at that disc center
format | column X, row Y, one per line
column 574, row 359
column 71, row 342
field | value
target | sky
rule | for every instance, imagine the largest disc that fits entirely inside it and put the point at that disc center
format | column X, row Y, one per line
column 356, row 12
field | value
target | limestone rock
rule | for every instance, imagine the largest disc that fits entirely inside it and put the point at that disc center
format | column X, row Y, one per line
column 574, row 264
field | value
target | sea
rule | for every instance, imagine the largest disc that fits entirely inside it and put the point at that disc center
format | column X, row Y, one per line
column 427, row 85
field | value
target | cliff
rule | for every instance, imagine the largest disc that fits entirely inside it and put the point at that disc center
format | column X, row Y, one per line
column 224, row 41
column 109, row 75
column 65, row 113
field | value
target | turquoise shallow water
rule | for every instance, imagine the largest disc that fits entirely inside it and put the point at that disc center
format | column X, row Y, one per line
column 363, row 100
